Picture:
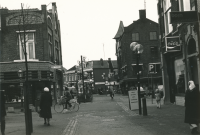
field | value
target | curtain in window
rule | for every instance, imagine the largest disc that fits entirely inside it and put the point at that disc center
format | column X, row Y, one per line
column 30, row 50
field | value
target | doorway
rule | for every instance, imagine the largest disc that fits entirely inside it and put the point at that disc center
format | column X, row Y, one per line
column 193, row 74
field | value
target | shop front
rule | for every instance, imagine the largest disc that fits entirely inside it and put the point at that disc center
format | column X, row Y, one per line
column 182, row 63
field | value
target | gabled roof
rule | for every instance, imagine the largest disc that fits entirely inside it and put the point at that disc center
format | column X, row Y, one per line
column 72, row 68
column 130, row 27
column 120, row 30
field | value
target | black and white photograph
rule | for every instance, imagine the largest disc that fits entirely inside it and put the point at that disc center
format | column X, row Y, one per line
column 99, row 67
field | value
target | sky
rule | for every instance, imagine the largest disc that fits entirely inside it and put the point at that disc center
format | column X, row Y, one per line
column 89, row 26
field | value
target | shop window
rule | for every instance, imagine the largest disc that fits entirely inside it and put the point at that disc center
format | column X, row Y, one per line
column 135, row 36
column 191, row 46
column 179, row 75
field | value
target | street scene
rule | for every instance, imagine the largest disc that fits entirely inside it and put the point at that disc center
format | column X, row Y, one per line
column 105, row 116
column 102, row 67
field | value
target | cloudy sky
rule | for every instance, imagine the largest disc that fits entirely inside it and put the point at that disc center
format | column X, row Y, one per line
column 88, row 26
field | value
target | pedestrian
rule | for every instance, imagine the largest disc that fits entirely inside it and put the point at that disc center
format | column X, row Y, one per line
column 68, row 97
column 45, row 106
column 111, row 92
column 158, row 98
column 192, row 106
column 3, row 112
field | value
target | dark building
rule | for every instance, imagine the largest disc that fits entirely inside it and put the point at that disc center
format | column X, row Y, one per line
column 93, row 71
column 180, row 60
column 144, row 32
column 41, row 29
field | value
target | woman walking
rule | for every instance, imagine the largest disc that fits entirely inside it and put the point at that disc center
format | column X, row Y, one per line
column 192, row 106
column 45, row 106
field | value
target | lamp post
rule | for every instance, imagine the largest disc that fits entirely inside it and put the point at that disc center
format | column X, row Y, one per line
column 138, row 49
column 76, row 74
column 20, row 75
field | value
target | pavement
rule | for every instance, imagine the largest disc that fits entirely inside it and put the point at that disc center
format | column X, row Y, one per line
column 168, row 119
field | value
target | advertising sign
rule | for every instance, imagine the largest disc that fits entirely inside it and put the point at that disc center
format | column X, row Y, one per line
column 183, row 17
column 173, row 44
column 154, row 68
column 133, row 99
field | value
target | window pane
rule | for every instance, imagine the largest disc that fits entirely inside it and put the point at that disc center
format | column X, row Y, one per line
column 30, row 47
column 22, row 54
column 30, row 36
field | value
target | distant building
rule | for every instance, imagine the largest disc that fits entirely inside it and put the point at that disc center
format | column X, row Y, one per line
column 146, row 33
column 43, row 43
column 94, row 70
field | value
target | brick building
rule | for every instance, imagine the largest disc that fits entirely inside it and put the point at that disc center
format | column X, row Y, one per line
column 94, row 70
column 181, row 61
column 146, row 33
column 43, row 47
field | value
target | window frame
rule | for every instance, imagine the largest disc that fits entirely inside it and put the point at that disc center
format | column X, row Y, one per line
column 153, row 35
column 167, row 10
column 22, row 56
column 137, row 34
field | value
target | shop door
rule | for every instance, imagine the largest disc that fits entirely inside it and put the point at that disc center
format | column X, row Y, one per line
column 193, row 69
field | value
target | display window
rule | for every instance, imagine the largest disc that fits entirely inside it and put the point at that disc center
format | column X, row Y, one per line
column 179, row 76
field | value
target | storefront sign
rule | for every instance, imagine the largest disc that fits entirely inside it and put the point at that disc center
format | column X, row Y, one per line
column 172, row 44
column 133, row 99
column 154, row 68
column 183, row 17
column 57, row 67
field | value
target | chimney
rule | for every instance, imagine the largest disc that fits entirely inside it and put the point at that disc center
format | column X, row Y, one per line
column 142, row 14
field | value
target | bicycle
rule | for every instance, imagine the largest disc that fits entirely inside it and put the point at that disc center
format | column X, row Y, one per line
column 60, row 105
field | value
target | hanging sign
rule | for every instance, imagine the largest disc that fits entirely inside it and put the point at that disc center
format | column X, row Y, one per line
column 154, row 68
column 183, row 17
column 173, row 44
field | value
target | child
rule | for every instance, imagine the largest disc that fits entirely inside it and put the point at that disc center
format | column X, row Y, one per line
column 158, row 98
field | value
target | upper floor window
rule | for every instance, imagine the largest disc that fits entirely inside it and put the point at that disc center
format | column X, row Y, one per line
column 153, row 36
column 50, row 47
column 29, row 42
column 154, row 51
column 167, row 10
column 185, row 5
column 57, row 51
column 135, row 36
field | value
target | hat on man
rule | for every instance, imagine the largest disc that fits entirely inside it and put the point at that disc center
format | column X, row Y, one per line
column 46, row 89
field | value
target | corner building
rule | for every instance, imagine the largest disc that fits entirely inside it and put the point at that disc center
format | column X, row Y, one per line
column 44, row 57
column 145, row 32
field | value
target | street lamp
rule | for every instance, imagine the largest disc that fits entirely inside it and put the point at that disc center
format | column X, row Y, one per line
column 76, row 74
column 20, row 75
column 138, row 49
